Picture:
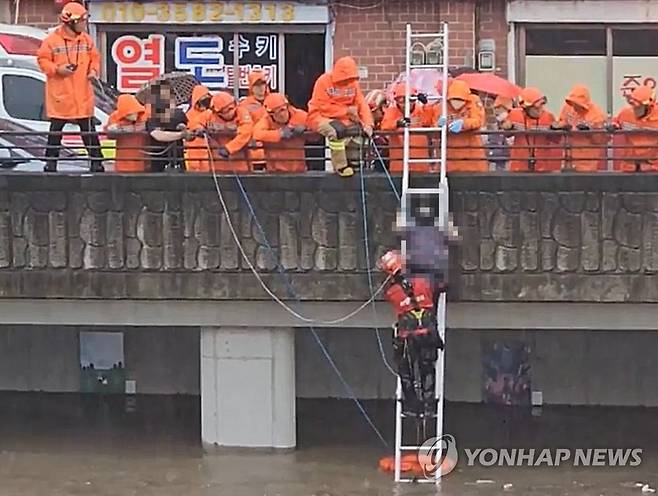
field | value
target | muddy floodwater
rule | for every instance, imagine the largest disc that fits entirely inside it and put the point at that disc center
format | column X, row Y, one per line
column 72, row 445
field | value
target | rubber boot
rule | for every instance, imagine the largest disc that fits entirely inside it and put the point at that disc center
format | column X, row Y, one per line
column 51, row 166
column 96, row 166
column 339, row 158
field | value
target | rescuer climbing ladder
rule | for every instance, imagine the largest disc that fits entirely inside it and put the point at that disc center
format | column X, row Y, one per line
column 438, row 195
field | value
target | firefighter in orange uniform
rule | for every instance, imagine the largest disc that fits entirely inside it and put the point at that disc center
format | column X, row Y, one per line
column 526, row 154
column 281, row 130
column 196, row 152
column 579, row 116
column 127, row 125
column 230, row 129
column 465, row 118
column 253, row 103
column 70, row 61
column 641, row 114
column 339, row 112
column 394, row 120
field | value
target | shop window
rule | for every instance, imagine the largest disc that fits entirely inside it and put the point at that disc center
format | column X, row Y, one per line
column 565, row 41
column 635, row 42
column 22, row 97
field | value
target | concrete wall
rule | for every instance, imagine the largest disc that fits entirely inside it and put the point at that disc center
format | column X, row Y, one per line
column 41, row 358
column 527, row 238
column 569, row 367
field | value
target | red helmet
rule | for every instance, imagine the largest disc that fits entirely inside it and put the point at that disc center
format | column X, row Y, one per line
column 72, row 12
column 390, row 262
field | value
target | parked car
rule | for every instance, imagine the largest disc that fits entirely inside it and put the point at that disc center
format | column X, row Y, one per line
column 17, row 41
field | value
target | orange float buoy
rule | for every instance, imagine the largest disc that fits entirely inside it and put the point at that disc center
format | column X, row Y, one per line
column 414, row 464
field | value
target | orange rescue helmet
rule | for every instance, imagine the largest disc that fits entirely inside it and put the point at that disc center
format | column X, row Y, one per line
column 642, row 95
column 275, row 101
column 221, row 100
column 531, row 96
column 503, row 101
column 376, row 99
column 257, row 76
column 72, row 12
column 390, row 262
column 400, row 90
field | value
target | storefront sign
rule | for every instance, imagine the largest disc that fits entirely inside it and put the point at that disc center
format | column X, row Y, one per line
column 207, row 13
column 138, row 58
column 138, row 61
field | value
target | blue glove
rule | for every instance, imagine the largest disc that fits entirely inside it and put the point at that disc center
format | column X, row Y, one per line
column 442, row 121
column 456, row 126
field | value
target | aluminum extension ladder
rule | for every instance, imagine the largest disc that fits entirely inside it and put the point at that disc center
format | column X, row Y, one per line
column 440, row 195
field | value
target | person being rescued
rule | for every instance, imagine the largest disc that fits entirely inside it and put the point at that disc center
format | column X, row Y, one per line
column 196, row 151
column 394, row 120
column 281, row 131
column 641, row 114
column 579, row 117
column 413, row 290
column 254, row 104
column 339, row 112
column 466, row 116
column 127, row 126
column 229, row 129
column 535, row 150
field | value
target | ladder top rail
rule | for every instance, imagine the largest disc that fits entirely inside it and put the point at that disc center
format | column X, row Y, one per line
column 428, row 35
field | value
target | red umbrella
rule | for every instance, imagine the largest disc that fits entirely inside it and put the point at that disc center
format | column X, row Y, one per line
column 490, row 83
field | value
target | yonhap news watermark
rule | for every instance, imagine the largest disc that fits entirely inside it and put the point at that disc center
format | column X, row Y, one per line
column 442, row 452
column 531, row 457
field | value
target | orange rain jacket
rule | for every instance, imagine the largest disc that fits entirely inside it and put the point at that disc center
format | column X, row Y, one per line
column 584, row 159
column 282, row 155
column 524, row 148
column 418, row 143
column 69, row 97
column 236, row 145
column 473, row 158
column 333, row 95
column 255, row 108
column 196, row 151
column 644, row 146
column 131, row 141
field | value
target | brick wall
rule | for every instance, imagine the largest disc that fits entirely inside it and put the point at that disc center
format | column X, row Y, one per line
column 40, row 13
column 375, row 36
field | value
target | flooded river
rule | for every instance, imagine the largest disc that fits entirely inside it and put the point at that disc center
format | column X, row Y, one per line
column 55, row 445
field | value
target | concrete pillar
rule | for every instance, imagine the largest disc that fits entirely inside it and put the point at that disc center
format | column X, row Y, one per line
column 248, row 387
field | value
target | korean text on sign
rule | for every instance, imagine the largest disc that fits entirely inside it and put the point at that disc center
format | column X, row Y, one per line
column 633, row 81
column 203, row 57
column 138, row 61
column 198, row 12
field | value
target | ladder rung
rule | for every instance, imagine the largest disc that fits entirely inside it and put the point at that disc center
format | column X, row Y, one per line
column 426, row 66
column 424, row 191
column 428, row 35
column 424, row 129
column 424, row 160
column 409, row 448
column 420, row 481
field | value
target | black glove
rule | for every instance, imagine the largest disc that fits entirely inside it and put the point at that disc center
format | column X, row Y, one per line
column 611, row 128
column 286, row 132
column 298, row 130
column 422, row 98
column 560, row 127
column 223, row 152
column 200, row 133
column 583, row 127
column 404, row 122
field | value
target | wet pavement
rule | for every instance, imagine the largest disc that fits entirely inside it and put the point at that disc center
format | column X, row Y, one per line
column 73, row 445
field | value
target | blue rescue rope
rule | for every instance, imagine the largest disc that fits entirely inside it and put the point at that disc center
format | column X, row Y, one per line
column 293, row 294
